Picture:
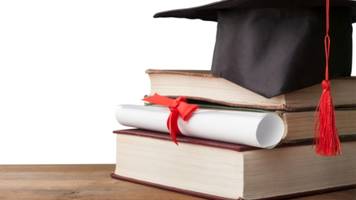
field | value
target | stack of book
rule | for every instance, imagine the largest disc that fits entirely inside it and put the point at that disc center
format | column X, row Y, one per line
column 238, row 144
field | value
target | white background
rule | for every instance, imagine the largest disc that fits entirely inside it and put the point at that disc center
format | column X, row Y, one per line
column 66, row 64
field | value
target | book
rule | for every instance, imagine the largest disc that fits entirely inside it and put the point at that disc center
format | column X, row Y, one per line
column 258, row 129
column 250, row 127
column 300, row 125
column 201, row 85
column 218, row 170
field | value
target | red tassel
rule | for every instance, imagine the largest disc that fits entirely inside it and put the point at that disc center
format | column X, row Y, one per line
column 326, row 139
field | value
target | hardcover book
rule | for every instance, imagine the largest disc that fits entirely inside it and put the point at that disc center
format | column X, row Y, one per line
column 219, row 170
column 201, row 85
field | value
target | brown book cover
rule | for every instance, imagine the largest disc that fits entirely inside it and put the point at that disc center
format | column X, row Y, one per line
column 211, row 143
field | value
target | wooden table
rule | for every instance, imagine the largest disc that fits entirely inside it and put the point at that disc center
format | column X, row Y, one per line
column 91, row 182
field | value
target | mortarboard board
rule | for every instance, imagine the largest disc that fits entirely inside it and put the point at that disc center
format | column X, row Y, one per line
column 277, row 46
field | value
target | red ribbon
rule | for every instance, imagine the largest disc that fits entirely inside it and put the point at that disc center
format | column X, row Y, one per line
column 178, row 107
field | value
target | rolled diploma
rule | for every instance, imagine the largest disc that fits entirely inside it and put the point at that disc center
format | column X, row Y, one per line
column 258, row 129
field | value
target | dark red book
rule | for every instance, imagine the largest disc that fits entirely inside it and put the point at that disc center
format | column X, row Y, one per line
column 217, row 170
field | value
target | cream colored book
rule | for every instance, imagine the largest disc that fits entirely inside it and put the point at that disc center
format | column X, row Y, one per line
column 216, row 170
column 201, row 85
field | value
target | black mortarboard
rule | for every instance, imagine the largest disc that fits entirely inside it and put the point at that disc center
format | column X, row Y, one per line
column 276, row 46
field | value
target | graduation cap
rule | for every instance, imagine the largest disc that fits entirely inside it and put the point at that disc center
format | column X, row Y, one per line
column 277, row 46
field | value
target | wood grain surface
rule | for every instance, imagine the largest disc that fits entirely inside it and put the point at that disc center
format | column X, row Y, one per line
column 92, row 182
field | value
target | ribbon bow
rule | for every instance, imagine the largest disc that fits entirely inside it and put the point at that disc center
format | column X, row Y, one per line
column 178, row 107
